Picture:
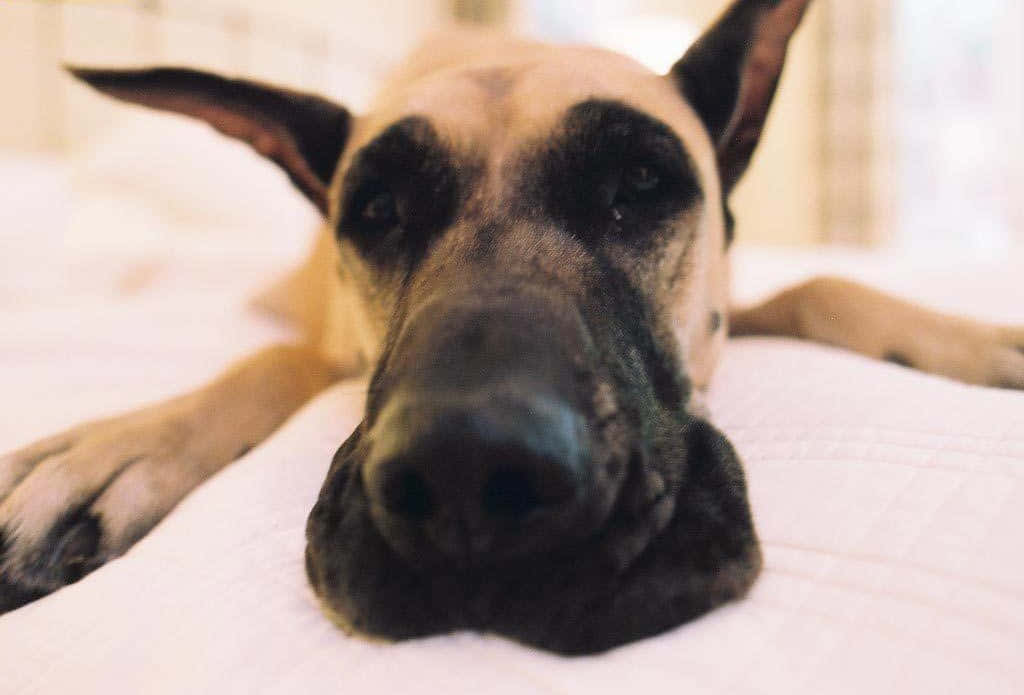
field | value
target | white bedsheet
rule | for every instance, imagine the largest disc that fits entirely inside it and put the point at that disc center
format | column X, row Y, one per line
column 890, row 504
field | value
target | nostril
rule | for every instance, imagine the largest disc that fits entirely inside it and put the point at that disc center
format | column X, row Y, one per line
column 509, row 493
column 406, row 493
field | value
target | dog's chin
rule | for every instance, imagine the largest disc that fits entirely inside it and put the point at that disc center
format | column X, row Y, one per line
column 648, row 568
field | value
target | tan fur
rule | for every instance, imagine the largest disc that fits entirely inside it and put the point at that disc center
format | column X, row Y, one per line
column 843, row 313
column 493, row 96
column 144, row 462
column 539, row 82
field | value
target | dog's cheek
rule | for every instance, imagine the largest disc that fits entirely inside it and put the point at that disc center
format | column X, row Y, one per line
column 326, row 519
column 709, row 551
column 364, row 586
column 706, row 554
column 325, row 513
column 646, row 506
column 716, row 488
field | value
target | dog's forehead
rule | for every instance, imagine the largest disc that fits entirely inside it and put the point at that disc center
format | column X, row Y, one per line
column 494, row 93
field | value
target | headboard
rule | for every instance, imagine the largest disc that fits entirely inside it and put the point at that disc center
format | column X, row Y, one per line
column 316, row 45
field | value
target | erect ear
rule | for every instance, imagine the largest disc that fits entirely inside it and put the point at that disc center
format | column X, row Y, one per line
column 302, row 133
column 729, row 76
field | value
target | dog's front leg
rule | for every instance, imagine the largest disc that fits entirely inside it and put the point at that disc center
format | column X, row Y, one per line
column 73, row 501
column 849, row 315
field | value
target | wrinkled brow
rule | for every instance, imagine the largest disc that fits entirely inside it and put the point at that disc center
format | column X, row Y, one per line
column 406, row 147
column 607, row 124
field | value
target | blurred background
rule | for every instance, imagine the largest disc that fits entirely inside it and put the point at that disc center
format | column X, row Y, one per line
column 899, row 124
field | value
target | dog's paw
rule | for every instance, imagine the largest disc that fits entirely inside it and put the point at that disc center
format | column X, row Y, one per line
column 70, row 503
column 973, row 352
column 1008, row 360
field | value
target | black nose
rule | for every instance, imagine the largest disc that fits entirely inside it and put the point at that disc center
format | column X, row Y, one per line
column 470, row 475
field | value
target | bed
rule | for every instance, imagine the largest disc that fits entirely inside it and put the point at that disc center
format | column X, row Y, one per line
column 890, row 503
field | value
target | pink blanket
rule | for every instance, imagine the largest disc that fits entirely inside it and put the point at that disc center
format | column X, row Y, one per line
column 890, row 504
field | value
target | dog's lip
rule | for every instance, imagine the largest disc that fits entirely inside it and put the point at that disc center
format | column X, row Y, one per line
column 311, row 573
column 502, row 551
column 619, row 569
column 600, row 523
column 483, row 584
column 474, row 592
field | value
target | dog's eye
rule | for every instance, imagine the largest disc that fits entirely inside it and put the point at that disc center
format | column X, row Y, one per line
column 635, row 183
column 380, row 210
column 635, row 186
column 640, row 179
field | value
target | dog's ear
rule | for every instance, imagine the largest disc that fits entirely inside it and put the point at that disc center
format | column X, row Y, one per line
column 730, row 73
column 302, row 133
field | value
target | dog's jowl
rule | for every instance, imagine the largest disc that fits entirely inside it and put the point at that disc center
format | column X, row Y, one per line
column 526, row 245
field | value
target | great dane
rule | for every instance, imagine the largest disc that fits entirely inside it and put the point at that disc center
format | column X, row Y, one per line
column 526, row 246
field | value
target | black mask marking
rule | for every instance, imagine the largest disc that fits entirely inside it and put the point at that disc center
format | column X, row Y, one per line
column 614, row 172
column 399, row 192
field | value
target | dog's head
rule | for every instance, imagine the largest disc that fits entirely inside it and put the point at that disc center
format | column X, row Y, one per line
column 536, row 235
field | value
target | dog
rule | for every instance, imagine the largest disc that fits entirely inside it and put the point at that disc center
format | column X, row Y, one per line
column 526, row 246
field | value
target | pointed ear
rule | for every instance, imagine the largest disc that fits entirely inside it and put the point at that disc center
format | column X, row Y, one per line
column 730, row 73
column 302, row 133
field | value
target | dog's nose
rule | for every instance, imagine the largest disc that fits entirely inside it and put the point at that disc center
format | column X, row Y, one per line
column 467, row 475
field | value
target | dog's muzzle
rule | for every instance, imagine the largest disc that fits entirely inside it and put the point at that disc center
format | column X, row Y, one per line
column 481, row 447
column 476, row 476
column 510, row 476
